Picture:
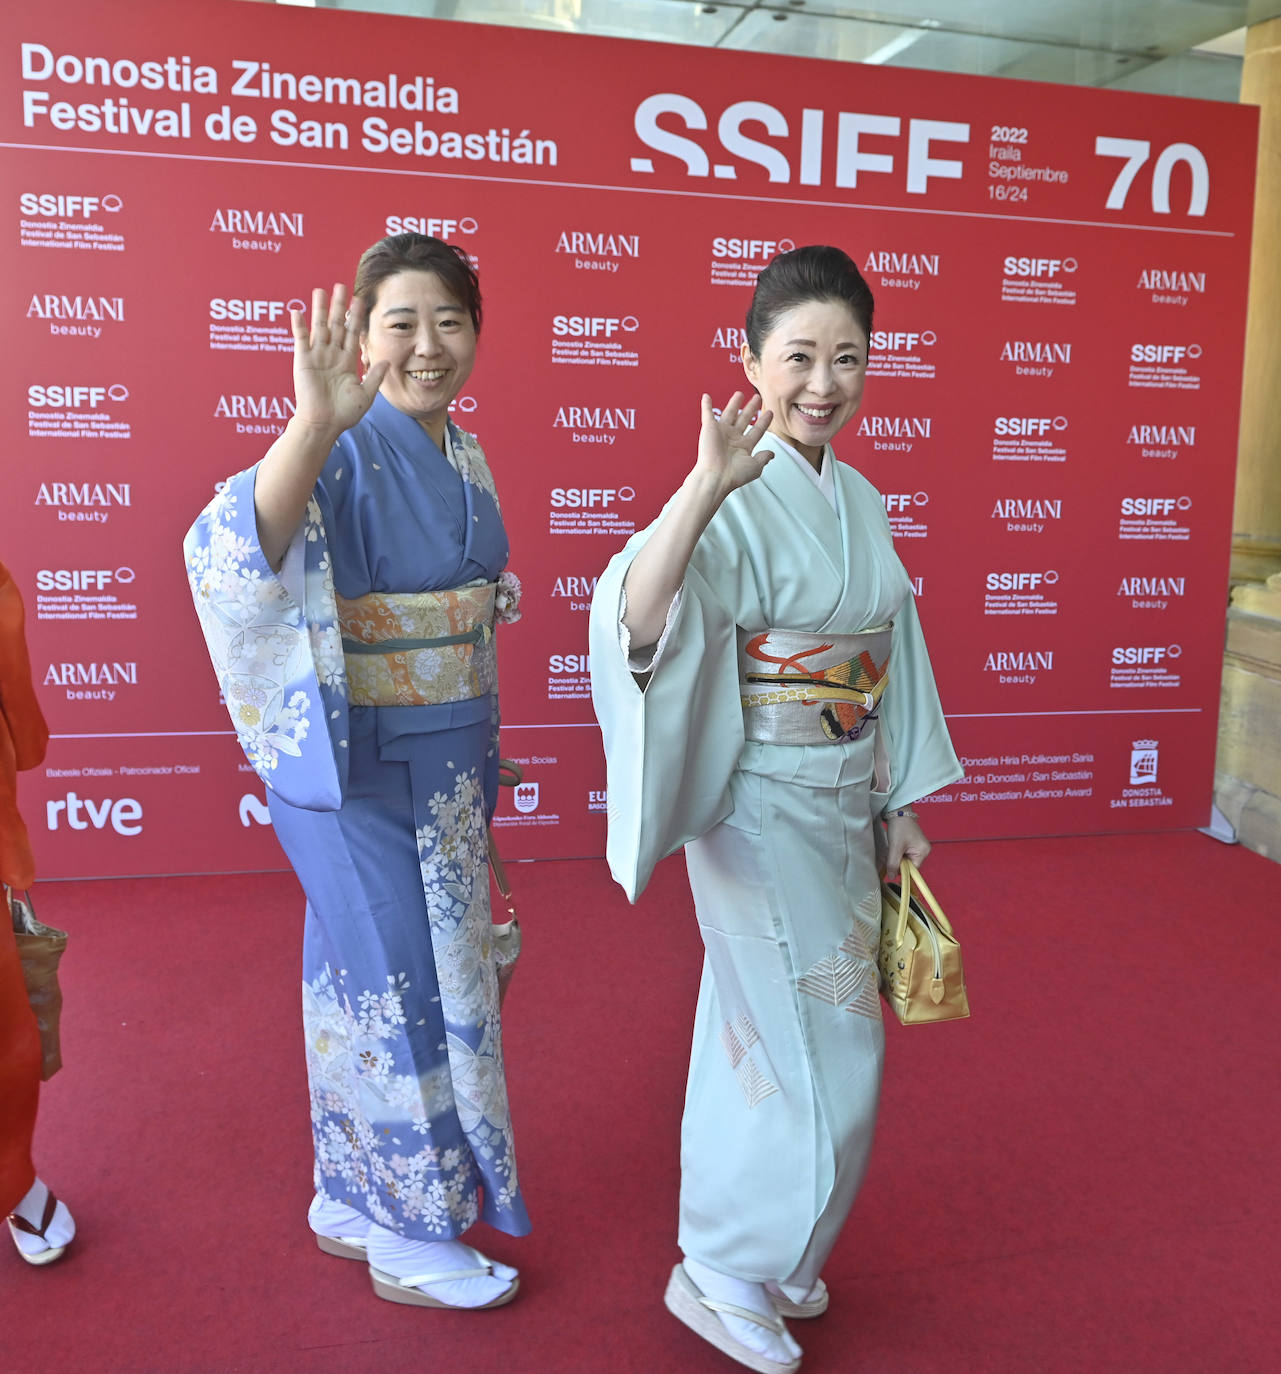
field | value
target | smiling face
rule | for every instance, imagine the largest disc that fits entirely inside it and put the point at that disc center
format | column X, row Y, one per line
column 429, row 342
column 810, row 373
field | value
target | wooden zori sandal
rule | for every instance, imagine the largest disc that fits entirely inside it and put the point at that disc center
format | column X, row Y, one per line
column 687, row 1304
column 409, row 1290
column 345, row 1247
column 813, row 1306
column 50, row 1252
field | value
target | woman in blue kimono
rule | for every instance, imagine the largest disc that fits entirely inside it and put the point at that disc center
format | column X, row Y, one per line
column 766, row 700
column 348, row 587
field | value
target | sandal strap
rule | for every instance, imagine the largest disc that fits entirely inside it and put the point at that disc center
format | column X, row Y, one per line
column 446, row 1276
column 746, row 1314
column 484, row 1269
column 22, row 1224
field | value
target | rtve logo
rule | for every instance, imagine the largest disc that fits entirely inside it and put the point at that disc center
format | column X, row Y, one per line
column 1145, row 653
column 81, row 579
column 1020, row 581
column 432, row 227
column 902, row 341
column 1163, row 353
column 123, row 814
column 593, row 326
column 1028, row 425
column 67, row 206
column 73, row 395
column 252, row 312
column 904, row 500
column 1037, row 267
column 761, row 249
column 590, row 498
column 1154, row 505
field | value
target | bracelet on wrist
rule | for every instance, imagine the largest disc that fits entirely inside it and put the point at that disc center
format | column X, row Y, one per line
column 899, row 813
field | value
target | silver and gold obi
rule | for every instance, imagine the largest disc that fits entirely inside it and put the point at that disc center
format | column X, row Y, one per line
column 419, row 648
column 799, row 688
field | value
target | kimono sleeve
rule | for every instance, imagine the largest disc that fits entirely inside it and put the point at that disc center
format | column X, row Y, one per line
column 275, row 645
column 917, row 745
column 671, row 744
column 19, row 708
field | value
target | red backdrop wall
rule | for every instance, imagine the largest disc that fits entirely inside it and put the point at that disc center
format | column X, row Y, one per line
column 1051, row 413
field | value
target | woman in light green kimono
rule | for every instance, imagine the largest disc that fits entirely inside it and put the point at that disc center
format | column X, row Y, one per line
column 766, row 700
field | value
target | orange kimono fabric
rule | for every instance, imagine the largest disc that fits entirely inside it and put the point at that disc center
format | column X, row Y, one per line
column 23, row 736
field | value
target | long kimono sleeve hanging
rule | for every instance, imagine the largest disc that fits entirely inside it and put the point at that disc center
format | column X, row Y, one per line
column 275, row 645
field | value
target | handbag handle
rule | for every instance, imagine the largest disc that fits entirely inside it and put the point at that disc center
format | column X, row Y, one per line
column 909, row 879
column 509, row 775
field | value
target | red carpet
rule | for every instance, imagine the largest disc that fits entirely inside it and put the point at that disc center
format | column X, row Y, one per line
column 1082, row 1178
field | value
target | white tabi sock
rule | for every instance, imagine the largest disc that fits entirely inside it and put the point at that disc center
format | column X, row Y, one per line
column 337, row 1221
column 722, row 1288
column 59, row 1232
column 403, row 1259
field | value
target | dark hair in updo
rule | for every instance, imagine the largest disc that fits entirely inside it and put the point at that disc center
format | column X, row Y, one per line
column 815, row 273
column 419, row 253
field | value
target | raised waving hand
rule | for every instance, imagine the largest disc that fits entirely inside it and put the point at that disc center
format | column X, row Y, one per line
column 328, row 391
column 329, row 397
column 726, row 441
column 725, row 462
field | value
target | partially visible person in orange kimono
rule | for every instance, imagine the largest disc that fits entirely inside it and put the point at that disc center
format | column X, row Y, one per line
column 41, row 1225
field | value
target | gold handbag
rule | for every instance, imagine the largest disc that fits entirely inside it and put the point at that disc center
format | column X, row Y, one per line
column 920, row 957
column 39, row 949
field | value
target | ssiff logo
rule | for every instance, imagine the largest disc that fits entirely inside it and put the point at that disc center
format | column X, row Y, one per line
column 1143, row 761
column 526, row 797
column 67, row 206
column 436, row 228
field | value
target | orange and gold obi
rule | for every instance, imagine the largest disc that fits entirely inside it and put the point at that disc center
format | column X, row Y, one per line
column 419, row 648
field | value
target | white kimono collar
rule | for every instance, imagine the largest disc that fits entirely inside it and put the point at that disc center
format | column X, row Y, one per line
column 823, row 479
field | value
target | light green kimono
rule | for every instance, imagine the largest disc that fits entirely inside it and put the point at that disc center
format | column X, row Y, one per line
column 788, row 1042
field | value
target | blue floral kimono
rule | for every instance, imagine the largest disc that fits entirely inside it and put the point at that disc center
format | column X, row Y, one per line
column 382, row 811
